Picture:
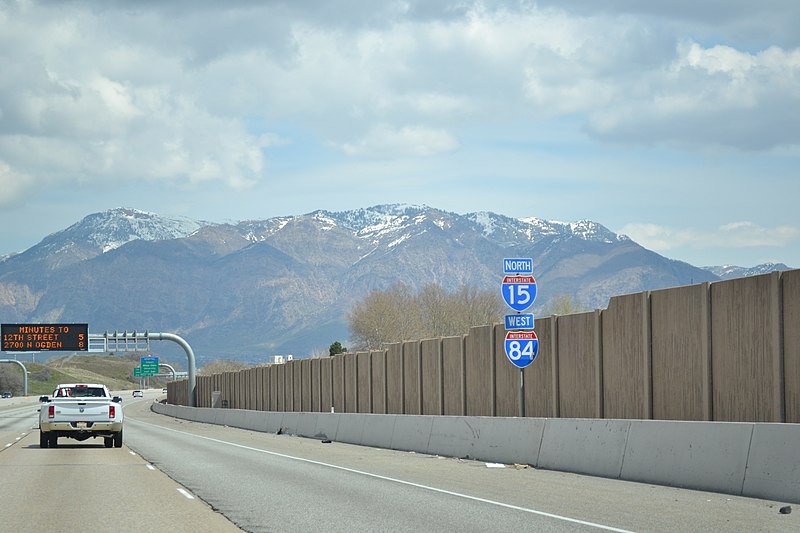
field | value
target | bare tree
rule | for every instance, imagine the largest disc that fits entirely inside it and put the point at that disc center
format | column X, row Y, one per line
column 396, row 315
column 383, row 317
column 221, row 365
column 11, row 378
column 563, row 304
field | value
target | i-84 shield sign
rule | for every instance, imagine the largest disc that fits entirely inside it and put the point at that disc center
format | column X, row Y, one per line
column 521, row 347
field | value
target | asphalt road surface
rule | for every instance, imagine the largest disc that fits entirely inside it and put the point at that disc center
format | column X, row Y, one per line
column 267, row 482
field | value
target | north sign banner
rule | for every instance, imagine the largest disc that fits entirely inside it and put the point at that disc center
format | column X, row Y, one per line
column 521, row 347
column 519, row 292
column 522, row 265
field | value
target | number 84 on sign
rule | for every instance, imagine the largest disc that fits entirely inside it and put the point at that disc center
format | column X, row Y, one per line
column 521, row 347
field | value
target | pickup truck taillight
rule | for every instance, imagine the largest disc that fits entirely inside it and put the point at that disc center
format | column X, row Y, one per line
column 51, row 411
column 112, row 410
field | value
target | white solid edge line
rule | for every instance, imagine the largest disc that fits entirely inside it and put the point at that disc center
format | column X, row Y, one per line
column 185, row 493
column 400, row 481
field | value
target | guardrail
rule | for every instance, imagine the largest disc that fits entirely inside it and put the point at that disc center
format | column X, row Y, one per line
column 756, row 460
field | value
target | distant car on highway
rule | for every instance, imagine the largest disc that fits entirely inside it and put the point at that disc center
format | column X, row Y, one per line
column 6, row 394
column 138, row 394
column 164, row 390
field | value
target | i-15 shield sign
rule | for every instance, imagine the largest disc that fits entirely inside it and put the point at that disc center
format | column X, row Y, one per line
column 521, row 347
column 519, row 292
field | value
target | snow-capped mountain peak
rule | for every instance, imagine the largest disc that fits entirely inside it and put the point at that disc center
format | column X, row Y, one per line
column 733, row 271
column 112, row 228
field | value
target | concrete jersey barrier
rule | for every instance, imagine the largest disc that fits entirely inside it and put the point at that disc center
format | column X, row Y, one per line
column 757, row 460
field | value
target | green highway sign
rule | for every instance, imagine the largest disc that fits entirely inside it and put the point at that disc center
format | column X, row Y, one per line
column 149, row 365
column 137, row 372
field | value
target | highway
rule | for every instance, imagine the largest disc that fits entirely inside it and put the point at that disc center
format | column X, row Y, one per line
column 239, row 479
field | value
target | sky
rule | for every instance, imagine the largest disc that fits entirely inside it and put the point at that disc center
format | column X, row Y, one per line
column 674, row 122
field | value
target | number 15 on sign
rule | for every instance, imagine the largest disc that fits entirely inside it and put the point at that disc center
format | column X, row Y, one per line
column 519, row 292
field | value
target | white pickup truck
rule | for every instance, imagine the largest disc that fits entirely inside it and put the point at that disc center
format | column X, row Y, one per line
column 79, row 411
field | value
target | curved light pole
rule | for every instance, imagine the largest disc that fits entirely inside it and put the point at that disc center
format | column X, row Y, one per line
column 174, row 375
column 190, row 357
column 24, row 374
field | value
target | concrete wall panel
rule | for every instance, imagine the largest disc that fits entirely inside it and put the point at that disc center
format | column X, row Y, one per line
column 255, row 420
column 326, row 384
column 351, row 428
column 364, row 382
column 626, row 357
column 791, row 344
column 412, row 378
column 432, row 390
column 579, row 394
column 593, row 447
column 480, row 367
column 495, row 439
column 305, row 382
column 541, row 388
column 350, row 383
column 681, row 351
column 272, row 372
column 274, row 421
column 773, row 469
column 281, row 379
column 293, row 386
column 378, row 378
column 745, row 349
column 453, row 378
column 307, row 424
column 316, row 384
column 510, row 440
column 337, row 369
column 452, row 436
column 289, row 423
column 378, row 430
column 394, row 379
column 688, row 454
column 327, row 426
column 297, row 385
column 411, row 433
column 506, row 377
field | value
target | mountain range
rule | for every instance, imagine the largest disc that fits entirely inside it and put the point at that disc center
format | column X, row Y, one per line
column 284, row 285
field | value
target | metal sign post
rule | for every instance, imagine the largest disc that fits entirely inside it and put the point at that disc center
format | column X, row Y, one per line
column 519, row 293
column 133, row 342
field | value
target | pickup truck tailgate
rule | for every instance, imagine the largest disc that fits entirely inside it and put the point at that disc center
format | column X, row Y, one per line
column 81, row 410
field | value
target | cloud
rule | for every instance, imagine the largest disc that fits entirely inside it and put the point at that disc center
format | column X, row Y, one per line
column 14, row 186
column 99, row 93
column 710, row 96
column 386, row 142
column 733, row 235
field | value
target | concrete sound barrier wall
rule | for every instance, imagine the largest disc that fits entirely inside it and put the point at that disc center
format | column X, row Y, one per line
column 742, row 458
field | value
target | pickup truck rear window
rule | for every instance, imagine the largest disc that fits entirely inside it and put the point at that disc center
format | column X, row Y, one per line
column 80, row 392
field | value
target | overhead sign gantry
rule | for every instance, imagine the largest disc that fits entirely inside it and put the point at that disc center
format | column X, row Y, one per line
column 76, row 338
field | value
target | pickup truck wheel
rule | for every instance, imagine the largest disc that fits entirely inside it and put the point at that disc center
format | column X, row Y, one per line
column 108, row 441
column 118, row 439
column 53, row 440
column 44, row 439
